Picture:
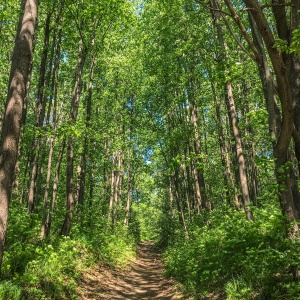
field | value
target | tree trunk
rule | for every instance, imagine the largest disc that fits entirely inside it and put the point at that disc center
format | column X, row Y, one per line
column 48, row 221
column 128, row 199
column 70, row 205
column 47, row 214
column 40, row 114
column 33, row 175
column 239, row 152
column 242, row 175
column 227, row 174
column 82, row 51
column 43, row 228
column 177, row 199
column 121, row 179
column 281, row 70
column 198, row 160
column 21, row 65
column 86, row 138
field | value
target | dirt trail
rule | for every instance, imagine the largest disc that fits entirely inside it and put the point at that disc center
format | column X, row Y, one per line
column 142, row 280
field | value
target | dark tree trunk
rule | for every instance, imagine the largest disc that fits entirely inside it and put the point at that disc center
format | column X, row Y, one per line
column 20, row 69
column 43, row 228
column 175, row 180
column 239, row 152
column 40, row 114
column 47, row 214
column 280, row 64
column 48, row 221
column 70, row 204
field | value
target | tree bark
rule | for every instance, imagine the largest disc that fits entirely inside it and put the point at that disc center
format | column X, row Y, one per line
column 43, row 228
column 70, row 204
column 225, row 159
column 177, row 199
column 242, row 175
column 239, row 152
column 40, row 114
column 21, row 65
column 281, row 68
column 48, row 221
column 47, row 213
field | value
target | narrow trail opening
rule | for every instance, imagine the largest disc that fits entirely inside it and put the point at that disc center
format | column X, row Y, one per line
column 142, row 280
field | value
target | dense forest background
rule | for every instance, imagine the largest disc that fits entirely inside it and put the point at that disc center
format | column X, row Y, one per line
column 173, row 121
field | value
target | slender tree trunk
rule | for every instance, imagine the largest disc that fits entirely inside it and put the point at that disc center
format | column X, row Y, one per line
column 197, row 187
column 113, row 189
column 198, row 161
column 249, row 146
column 172, row 210
column 128, row 199
column 33, row 174
column 86, row 138
column 187, row 189
column 22, row 196
column 40, row 114
column 227, row 175
column 177, row 199
column 47, row 213
column 223, row 141
column 192, row 195
column 295, row 83
column 129, row 157
column 281, row 149
column 121, row 179
column 43, row 228
column 242, row 174
column 92, row 182
column 41, row 100
column 20, row 68
column 267, row 83
column 70, row 204
column 48, row 221
column 106, row 181
column 117, row 183
column 239, row 152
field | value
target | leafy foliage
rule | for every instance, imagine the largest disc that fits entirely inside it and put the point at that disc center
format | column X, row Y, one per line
column 51, row 269
column 149, row 66
column 247, row 260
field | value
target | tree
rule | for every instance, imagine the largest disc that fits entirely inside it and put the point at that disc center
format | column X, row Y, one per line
column 286, row 88
column 12, row 122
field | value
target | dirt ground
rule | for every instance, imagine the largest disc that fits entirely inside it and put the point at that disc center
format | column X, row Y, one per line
column 143, row 279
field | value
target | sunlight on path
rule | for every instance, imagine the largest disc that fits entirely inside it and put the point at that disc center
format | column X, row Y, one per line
column 143, row 280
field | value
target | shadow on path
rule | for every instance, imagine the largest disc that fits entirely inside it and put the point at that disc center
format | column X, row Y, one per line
column 143, row 280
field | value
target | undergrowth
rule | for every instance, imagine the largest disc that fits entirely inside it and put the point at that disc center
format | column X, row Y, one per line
column 225, row 254
column 52, row 269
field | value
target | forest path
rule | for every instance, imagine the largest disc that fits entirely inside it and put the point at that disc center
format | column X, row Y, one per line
column 142, row 280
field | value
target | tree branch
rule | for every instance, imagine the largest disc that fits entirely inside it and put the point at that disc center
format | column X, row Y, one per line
column 243, row 30
column 212, row 8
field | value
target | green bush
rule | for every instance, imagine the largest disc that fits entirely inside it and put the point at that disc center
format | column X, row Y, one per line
column 238, row 289
column 9, row 291
column 114, row 248
column 248, row 260
column 54, row 272
column 33, row 269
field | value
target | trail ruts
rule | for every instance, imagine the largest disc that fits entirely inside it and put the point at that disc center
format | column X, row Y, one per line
column 143, row 280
